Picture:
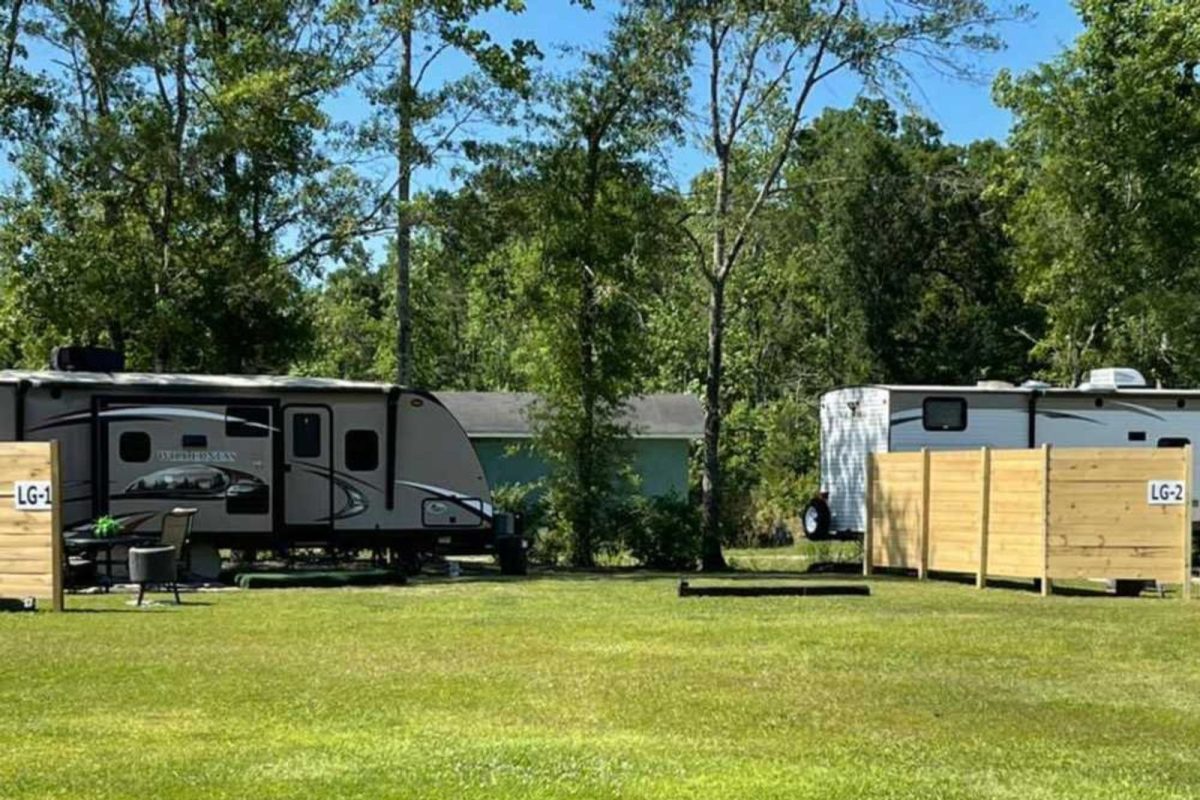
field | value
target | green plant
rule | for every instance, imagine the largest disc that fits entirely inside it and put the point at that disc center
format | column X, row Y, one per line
column 526, row 499
column 550, row 546
column 664, row 533
column 106, row 527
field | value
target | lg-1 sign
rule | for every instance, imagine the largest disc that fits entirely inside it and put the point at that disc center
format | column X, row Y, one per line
column 33, row 496
column 1165, row 493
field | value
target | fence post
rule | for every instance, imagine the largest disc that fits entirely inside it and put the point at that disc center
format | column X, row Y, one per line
column 923, row 545
column 1045, row 520
column 868, row 533
column 985, row 481
column 56, row 542
column 1189, row 478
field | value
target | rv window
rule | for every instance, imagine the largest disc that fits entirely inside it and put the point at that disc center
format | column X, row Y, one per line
column 195, row 440
column 1174, row 441
column 362, row 450
column 1137, row 436
column 135, row 446
column 945, row 414
column 248, row 421
column 306, row 435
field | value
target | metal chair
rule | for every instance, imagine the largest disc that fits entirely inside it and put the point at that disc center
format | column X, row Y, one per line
column 177, row 533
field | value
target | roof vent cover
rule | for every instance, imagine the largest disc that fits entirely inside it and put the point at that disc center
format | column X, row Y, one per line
column 1114, row 378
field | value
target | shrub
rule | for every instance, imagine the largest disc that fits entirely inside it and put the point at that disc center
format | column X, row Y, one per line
column 550, row 546
column 663, row 533
column 526, row 499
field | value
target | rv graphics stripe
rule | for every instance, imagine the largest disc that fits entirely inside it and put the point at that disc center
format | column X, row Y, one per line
column 463, row 501
column 902, row 420
column 1143, row 410
column 146, row 413
column 355, row 500
column 1065, row 415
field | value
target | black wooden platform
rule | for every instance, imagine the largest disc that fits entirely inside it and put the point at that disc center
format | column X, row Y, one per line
column 795, row 590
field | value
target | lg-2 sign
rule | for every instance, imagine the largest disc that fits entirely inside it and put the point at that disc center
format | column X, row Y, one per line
column 1165, row 493
column 32, row 496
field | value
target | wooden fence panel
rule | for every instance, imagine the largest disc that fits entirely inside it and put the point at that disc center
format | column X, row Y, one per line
column 1101, row 523
column 895, row 506
column 1015, row 514
column 954, row 510
column 1043, row 514
column 31, row 558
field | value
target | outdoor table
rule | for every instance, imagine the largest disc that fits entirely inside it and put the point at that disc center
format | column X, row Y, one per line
column 96, row 545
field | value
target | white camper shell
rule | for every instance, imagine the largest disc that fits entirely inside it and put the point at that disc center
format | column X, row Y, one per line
column 1113, row 408
column 267, row 461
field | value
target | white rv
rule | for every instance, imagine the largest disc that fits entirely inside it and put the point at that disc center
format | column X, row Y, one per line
column 268, row 461
column 1113, row 408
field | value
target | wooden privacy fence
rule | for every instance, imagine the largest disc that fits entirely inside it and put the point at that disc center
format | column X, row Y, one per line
column 1115, row 513
column 31, row 561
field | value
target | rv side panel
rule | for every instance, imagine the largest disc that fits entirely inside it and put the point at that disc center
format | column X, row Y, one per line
column 65, row 415
column 943, row 419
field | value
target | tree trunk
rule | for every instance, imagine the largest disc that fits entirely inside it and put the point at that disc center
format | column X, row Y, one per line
column 711, row 558
column 585, row 465
column 405, row 152
column 11, row 33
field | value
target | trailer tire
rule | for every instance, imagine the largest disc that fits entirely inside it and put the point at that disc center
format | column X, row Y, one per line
column 815, row 519
column 511, row 555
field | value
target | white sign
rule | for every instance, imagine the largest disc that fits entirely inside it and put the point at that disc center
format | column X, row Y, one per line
column 1165, row 493
column 32, row 495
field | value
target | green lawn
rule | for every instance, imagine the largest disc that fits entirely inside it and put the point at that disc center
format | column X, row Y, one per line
column 588, row 686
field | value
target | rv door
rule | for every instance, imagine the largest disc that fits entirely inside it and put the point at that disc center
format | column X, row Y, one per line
column 307, row 466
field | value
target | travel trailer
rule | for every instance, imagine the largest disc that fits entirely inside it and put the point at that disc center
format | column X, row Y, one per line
column 269, row 462
column 1113, row 408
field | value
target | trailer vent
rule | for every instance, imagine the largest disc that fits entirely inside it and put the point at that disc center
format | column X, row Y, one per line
column 1114, row 378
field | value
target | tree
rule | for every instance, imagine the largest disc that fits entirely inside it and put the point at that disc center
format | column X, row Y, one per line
column 428, row 121
column 185, row 181
column 762, row 64
column 1106, row 195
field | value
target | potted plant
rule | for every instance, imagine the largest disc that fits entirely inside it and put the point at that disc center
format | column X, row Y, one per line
column 106, row 527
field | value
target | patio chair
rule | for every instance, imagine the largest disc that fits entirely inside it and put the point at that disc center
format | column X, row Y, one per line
column 177, row 533
column 154, row 565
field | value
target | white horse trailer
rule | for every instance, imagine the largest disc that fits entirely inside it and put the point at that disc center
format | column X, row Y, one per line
column 269, row 462
column 1114, row 408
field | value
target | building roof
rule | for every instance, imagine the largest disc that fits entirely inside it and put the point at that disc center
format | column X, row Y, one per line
column 506, row 414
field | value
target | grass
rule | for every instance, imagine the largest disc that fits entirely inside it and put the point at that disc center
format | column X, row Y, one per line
column 591, row 686
column 795, row 557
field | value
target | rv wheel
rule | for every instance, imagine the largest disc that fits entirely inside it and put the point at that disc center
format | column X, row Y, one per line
column 510, row 554
column 816, row 519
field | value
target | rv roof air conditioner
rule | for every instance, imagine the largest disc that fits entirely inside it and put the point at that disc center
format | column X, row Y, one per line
column 86, row 359
column 1113, row 378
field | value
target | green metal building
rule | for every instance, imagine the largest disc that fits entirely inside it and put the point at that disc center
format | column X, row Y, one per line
column 662, row 429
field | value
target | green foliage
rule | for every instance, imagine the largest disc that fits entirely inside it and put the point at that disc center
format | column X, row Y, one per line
column 1106, row 195
column 526, row 499
column 663, row 533
column 106, row 527
column 186, row 174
